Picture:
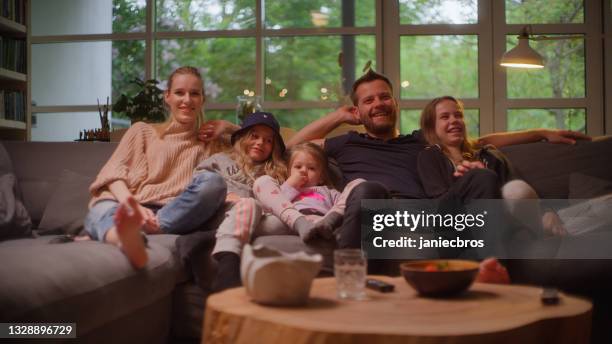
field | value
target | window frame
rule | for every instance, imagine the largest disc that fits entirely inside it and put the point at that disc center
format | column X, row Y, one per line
column 491, row 30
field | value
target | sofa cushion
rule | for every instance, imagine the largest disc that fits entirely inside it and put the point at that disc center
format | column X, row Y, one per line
column 39, row 165
column 67, row 206
column 547, row 166
column 5, row 161
column 14, row 219
column 583, row 186
column 90, row 283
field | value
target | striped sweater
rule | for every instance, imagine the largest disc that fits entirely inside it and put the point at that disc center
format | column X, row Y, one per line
column 155, row 169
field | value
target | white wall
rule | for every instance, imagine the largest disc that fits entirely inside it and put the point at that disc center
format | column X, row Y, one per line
column 63, row 126
column 66, row 17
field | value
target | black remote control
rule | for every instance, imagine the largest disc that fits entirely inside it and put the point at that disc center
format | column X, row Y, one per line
column 379, row 285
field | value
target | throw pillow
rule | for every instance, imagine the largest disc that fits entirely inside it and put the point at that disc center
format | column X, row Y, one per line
column 14, row 218
column 582, row 186
column 67, row 205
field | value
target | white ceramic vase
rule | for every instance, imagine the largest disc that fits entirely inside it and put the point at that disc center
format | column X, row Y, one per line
column 277, row 278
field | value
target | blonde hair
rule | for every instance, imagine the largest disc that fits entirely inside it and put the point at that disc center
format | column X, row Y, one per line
column 184, row 70
column 319, row 156
column 428, row 128
column 274, row 166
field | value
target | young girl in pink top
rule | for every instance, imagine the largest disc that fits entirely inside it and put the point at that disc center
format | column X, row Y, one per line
column 307, row 201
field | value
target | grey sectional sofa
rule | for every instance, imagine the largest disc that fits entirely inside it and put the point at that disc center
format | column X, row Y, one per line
column 93, row 285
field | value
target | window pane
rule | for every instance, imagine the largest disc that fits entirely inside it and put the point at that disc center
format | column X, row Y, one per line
column 67, row 17
column 128, row 64
column 410, row 120
column 298, row 118
column 571, row 119
column 438, row 12
column 563, row 75
column 544, row 11
column 228, row 115
column 455, row 71
column 63, row 126
column 200, row 15
column 307, row 68
column 326, row 13
column 227, row 64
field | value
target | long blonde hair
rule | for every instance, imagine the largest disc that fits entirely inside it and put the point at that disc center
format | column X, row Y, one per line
column 318, row 154
column 184, row 70
column 274, row 166
column 428, row 128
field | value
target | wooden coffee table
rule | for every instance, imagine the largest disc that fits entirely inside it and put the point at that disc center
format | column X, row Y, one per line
column 487, row 313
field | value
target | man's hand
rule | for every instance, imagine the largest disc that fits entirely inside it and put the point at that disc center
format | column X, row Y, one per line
column 552, row 224
column 213, row 129
column 296, row 180
column 563, row 136
column 466, row 166
column 349, row 114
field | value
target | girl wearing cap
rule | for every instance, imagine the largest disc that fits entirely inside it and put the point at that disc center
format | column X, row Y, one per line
column 258, row 150
column 147, row 184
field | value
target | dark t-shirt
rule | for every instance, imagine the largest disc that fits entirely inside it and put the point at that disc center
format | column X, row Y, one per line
column 392, row 163
column 436, row 169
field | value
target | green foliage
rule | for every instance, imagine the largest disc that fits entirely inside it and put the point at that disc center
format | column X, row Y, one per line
column 572, row 119
column 128, row 56
column 433, row 65
column 544, row 11
column 455, row 71
column 438, row 11
column 147, row 105
column 298, row 13
column 193, row 15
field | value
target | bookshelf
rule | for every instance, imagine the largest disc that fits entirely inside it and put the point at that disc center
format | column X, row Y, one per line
column 14, row 63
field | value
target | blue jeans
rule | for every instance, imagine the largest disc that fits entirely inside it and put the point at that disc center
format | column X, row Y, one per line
column 184, row 214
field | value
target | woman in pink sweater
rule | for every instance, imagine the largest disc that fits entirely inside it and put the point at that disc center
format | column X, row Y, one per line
column 149, row 177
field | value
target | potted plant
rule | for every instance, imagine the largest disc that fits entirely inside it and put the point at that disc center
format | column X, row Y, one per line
column 147, row 105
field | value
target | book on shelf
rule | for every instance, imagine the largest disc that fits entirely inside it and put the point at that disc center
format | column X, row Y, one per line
column 13, row 105
column 13, row 54
column 14, row 10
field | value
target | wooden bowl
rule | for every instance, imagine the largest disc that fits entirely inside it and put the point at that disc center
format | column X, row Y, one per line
column 449, row 277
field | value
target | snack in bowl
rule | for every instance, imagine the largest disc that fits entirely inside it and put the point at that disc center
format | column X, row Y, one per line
column 440, row 277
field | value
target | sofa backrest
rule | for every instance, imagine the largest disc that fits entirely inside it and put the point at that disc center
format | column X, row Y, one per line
column 548, row 167
column 38, row 166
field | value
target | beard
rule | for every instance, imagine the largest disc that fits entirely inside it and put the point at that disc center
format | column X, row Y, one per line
column 380, row 129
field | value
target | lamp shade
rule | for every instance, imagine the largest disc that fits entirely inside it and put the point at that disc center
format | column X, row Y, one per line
column 522, row 56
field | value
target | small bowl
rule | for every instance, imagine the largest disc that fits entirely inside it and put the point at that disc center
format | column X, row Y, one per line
column 454, row 277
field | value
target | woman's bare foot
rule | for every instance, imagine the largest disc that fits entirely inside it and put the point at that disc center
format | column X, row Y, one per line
column 491, row 271
column 128, row 222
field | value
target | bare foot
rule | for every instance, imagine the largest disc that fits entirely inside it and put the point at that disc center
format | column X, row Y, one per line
column 85, row 237
column 128, row 222
column 491, row 271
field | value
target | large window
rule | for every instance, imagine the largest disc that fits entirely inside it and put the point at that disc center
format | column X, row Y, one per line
column 301, row 56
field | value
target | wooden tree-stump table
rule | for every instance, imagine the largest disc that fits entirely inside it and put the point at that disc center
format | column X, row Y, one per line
column 487, row 313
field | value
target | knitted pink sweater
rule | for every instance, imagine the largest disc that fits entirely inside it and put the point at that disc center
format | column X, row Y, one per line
column 155, row 169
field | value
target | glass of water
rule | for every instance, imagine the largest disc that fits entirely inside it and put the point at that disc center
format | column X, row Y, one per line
column 350, row 267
